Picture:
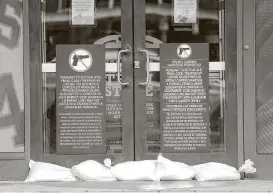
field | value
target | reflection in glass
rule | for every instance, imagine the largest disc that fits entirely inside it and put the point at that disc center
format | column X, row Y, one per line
column 264, row 77
column 57, row 29
column 208, row 29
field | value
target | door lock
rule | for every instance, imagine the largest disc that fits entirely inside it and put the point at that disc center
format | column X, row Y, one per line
column 137, row 64
column 246, row 47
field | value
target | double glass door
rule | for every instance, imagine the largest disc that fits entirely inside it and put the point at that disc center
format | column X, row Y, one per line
column 170, row 82
column 166, row 126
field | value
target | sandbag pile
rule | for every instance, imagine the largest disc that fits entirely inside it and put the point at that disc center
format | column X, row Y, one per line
column 168, row 170
column 215, row 172
column 135, row 171
column 91, row 170
column 46, row 172
column 161, row 169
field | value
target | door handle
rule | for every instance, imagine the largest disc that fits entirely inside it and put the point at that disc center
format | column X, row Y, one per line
column 119, row 67
column 147, row 67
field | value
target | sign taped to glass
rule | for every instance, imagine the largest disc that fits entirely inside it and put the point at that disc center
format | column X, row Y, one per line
column 82, row 12
column 184, row 11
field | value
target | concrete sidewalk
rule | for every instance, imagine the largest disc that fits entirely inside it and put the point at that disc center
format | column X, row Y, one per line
column 189, row 186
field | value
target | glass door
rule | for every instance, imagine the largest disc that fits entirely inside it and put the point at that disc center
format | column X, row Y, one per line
column 169, row 81
column 185, row 80
column 81, row 80
column 13, row 96
column 258, row 41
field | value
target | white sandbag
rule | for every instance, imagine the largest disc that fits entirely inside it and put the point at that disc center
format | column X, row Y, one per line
column 248, row 167
column 46, row 172
column 216, row 172
column 170, row 170
column 107, row 162
column 91, row 170
column 137, row 171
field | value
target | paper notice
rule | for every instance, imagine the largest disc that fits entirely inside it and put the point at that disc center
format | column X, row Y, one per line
column 185, row 11
column 82, row 12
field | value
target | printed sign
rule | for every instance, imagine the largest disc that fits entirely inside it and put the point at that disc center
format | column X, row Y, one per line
column 80, row 60
column 83, row 12
column 184, row 51
column 185, row 11
column 184, row 115
column 80, row 93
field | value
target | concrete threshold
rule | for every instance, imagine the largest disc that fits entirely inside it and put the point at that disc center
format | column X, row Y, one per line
column 139, row 186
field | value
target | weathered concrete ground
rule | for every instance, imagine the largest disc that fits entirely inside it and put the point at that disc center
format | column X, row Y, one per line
column 189, row 187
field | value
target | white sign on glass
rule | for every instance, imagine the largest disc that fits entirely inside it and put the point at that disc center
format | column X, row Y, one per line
column 82, row 12
column 185, row 11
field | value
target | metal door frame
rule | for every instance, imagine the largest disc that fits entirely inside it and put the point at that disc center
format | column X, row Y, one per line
column 263, row 162
column 36, row 134
column 234, row 108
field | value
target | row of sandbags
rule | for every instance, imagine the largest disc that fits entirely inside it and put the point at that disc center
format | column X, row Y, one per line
column 161, row 169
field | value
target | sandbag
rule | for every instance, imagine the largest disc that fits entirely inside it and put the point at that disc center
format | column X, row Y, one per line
column 170, row 170
column 46, row 172
column 91, row 170
column 248, row 167
column 213, row 171
column 137, row 171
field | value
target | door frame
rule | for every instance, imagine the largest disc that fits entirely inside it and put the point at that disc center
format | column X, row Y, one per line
column 263, row 162
column 36, row 134
column 233, row 123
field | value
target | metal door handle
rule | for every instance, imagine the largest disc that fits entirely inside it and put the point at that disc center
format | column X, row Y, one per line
column 147, row 67
column 119, row 67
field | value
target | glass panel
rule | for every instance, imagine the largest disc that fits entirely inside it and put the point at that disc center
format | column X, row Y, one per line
column 57, row 29
column 208, row 29
column 12, row 128
column 264, row 76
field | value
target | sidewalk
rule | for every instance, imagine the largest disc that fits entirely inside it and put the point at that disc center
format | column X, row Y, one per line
column 193, row 186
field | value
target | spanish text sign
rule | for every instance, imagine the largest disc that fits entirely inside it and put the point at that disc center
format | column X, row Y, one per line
column 184, row 115
column 80, row 93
